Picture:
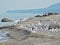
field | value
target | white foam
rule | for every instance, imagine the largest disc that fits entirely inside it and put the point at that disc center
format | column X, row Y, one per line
column 1, row 37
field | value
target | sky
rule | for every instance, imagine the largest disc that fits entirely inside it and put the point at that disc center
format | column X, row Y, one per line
column 6, row 5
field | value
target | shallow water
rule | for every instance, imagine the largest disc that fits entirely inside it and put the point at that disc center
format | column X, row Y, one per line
column 4, row 36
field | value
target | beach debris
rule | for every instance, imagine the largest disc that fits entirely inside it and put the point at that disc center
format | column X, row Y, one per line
column 27, row 26
column 54, row 30
column 39, row 26
column 33, row 28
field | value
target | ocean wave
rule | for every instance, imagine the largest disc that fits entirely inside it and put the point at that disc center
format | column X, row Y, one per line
column 4, row 36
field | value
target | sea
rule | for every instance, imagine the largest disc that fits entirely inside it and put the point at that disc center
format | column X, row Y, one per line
column 14, row 16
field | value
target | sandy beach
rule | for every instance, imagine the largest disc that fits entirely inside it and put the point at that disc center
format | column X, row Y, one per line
column 21, row 36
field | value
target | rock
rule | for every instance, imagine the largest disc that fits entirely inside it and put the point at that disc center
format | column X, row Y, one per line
column 38, row 16
column 6, row 20
column 48, row 14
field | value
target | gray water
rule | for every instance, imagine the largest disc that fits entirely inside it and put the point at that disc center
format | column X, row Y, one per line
column 16, row 15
